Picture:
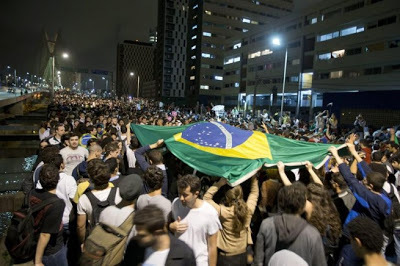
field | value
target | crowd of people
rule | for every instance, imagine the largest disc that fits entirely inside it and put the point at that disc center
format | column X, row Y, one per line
column 106, row 200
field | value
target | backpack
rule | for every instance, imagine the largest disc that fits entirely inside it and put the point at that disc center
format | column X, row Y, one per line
column 98, row 206
column 22, row 234
column 106, row 244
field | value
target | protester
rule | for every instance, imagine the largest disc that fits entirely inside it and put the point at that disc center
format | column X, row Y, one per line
column 290, row 231
column 88, row 208
column 153, row 179
column 195, row 221
column 235, row 216
column 155, row 158
column 153, row 245
column 50, row 248
column 74, row 154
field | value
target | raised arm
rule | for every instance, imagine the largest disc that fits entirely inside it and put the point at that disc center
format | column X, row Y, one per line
column 139, row 154
column 253, row 196
column 208, row 196
column 313, row 175
column 282, row 174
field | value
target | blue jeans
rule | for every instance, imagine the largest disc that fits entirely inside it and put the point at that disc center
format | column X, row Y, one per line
column 57, row 259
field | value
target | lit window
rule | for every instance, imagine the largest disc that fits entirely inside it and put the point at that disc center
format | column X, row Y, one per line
column 254, row 22
column 205, row 55
column 192, row 77
column 254, row 55
column 266, row 52
column 326, row 56
column 329, row 36
column 204, row 87
column 208, row 34
column 236, row 84
column 294, row 79
column 336, row 74
column 193, row 57
column 194, row 37
column 193, row 47
column 194, row 27
column 360, row 29
column 338, row 53
column 237, row 46
column 245, row 30
column 218, row 78
column 192, row 67
column 260, row 53
column 195, row 6
column 231, row 60
column 246, row 20
column 207, row 12
column 313, row 20
column 348, row 31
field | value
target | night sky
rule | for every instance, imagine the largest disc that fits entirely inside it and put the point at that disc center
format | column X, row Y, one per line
column 90, row 30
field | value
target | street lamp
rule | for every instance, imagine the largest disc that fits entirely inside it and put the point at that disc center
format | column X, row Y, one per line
column 277, row 42
column 138, row 83
column 103, row 78
column 65, row 56
column 91, row 80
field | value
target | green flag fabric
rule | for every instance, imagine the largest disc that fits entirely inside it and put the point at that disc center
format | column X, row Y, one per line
column 218, row 149
column 150, row 134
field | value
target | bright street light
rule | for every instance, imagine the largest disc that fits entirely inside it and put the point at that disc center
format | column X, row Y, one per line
column 277, row 42
column 131, row 74
column 65, row 55
column 90, row 80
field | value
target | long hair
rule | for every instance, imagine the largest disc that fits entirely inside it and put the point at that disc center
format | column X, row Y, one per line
column 234, row 197
column 325, row 216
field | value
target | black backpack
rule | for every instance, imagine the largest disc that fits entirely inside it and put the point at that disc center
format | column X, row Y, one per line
column 98, row 206
column 22, row 234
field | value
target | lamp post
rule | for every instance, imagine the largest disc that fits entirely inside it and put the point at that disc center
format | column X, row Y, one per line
column 277, row 42
column 91, row 80
column 138, row 83
column 53, row 57
column 103, row 78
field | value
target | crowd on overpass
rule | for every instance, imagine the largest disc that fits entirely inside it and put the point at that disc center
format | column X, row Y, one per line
column 102, row 181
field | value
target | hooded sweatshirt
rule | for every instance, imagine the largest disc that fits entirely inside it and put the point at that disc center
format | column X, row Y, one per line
column 289, row 232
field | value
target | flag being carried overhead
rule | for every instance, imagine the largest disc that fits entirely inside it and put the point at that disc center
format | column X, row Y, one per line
column 219, row 149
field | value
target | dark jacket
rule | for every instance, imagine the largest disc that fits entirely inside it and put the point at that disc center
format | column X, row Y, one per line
column 289, row 232
column 140, row 159
column 374, row 206
column 180, row 254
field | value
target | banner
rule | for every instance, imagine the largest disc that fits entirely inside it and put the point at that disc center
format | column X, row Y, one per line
column 218, row 149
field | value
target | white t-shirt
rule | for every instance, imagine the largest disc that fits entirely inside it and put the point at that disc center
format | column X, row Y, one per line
column 130, row 155
column 65, row 190
column 84, row 206
column 158, row 200
column 155, row 258
column 73, row 157
column 202, row 222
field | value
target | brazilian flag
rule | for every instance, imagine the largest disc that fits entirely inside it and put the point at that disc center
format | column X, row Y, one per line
column 218, row 149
